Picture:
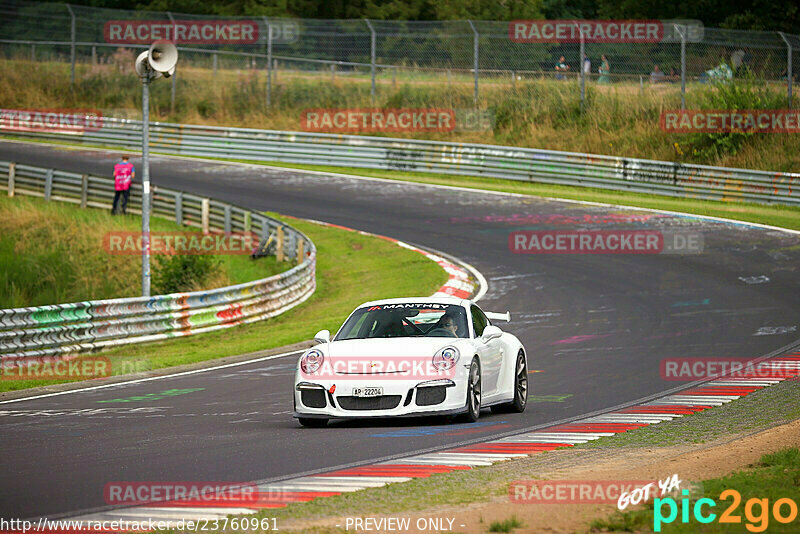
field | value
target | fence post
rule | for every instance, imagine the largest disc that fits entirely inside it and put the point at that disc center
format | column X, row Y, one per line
column 94, row 55
column 12, row 171
column 269, row 64
column 300, row 251
column 475, row 56
column 373, row 44
column 33, row 53
column 214, row 63
column 174, row 74
column 248, row 221
column 683, row 32
column 513, row 80
column 788, row 68
column 227, row 212
column 204, row 214
column 179, row 208
column 48, row 184
column 84, row 190
column 333, row 72
column 72, row 46
column 279, row 245
column 582, row 67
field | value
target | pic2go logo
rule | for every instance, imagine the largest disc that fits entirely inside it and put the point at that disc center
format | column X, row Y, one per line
column 756, row 511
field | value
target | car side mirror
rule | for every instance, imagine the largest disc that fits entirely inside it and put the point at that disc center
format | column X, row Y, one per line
column 491, row 332
column 323, row 336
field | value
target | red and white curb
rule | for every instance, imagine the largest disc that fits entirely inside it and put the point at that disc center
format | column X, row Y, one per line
column 281, row 494
column 463, row 281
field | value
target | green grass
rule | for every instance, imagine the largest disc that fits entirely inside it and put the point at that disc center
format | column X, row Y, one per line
column 775, row 476
column 620, row 118
column 53, row 252
column 507, row 525
column 351, row 269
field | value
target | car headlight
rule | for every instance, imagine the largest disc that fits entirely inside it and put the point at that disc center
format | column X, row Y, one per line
column 311, row 361
column 446, row 358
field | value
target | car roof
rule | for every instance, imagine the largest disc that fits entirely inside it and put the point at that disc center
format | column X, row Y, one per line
column 420, row 300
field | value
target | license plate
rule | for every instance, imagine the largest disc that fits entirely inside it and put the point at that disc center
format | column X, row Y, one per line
column 367, row 392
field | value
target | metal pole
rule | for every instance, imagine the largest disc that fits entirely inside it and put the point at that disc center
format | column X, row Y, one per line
column 214, row 63
column 71, row 46
column 146, row 186
column 175, row 74
column 683, row 32
column 373, row 43
column 582, row 70
column 475, row 55
column 788, row 68
column 269, row 62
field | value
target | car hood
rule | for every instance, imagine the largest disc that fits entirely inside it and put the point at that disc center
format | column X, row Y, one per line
column 390, row 347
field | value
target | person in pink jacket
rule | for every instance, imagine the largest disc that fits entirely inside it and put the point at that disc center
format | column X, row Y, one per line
column 124, row 173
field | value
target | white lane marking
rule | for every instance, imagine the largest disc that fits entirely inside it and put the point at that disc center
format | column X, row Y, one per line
column 381, row 479
column 589, row 435
column 744, row 383
column 139, row 380
column 437, row 461
column 514, row 439
column 630, row 418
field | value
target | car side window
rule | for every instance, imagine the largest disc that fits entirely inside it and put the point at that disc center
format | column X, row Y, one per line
column 479, row 321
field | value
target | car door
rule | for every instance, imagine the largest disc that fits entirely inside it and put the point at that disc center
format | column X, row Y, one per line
column 491, row 354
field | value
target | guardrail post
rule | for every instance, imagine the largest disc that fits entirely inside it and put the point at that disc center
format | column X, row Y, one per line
column 476, row 37
column 48, row 184
column 279, row 245
column 72, row 46
column 12, row 170
column 248, row 221
column 373, row 43
column 204, row 214
column 84, row 190
column 227, row 211
column 300, row 251
column 179, row 208
column 788, row 68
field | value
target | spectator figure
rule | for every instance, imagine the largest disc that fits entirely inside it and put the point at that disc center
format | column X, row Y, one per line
column 604, row 69
column 656, row 76
column 674, row 77
column 721, row 72
column 561, row 67
column 587, row 66
column 124, row 173
column 737, row 61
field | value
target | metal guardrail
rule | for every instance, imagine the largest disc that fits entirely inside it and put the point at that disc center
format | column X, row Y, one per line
column 51, row 331
column 521, row 164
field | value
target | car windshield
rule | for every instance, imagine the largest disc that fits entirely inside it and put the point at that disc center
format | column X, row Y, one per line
column 405, row 320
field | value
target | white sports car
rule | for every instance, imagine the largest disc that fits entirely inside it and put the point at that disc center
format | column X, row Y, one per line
column 412, row 356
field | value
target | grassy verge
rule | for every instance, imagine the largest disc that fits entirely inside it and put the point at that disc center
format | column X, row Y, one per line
column 774, row 477
column 351, row 269
column 763, row 409
column 54, row 252
column 621, row 119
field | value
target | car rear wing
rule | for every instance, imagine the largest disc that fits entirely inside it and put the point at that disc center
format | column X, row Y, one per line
column 499, row 316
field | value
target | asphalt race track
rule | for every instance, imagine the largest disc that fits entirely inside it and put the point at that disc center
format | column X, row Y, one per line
column 597, row 326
